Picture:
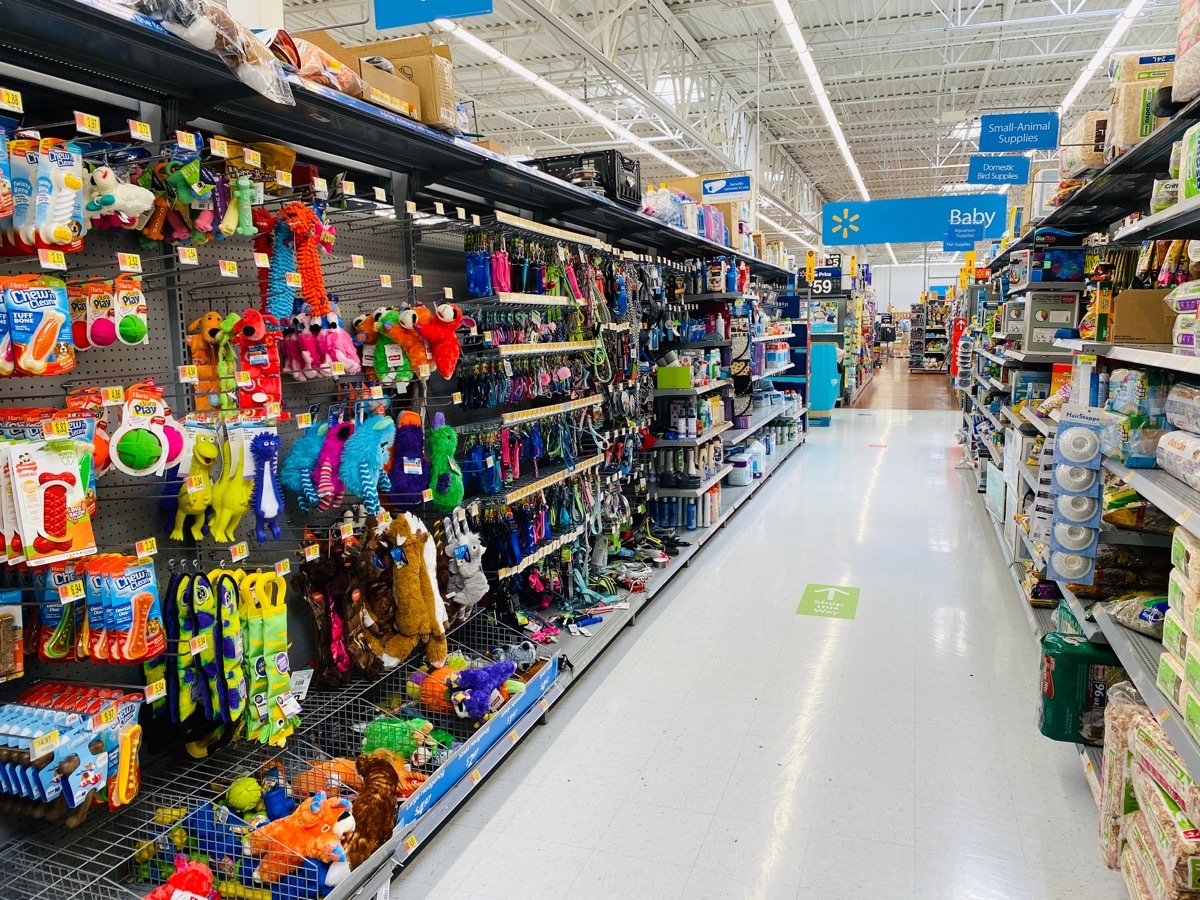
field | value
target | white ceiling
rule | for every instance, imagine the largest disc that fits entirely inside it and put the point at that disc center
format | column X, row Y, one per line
column 716, row 84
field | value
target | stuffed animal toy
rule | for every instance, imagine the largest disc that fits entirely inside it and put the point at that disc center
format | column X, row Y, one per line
column 314, row 831
column 268, row 499
column 328, row 775
column 371, row 625
column 390, row 363
column 258, row 354
column 441, row 332
column 445, row 477
column 420, row 612
column 409, row 473
column 403, row 330
column 108, row 195
column 190, row 879
column 306, row 234
column 477, row 693
column 327, row 474
column 195, row 502
column 231, row 495
column 431, row 689
column 336, row 345
column 364, row 458
column 363, row 327
column 374, row 809
column 299, row 466
column 313, row 581
column 464, row 549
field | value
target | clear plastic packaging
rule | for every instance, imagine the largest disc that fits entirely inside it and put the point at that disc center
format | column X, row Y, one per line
column 1125, row 708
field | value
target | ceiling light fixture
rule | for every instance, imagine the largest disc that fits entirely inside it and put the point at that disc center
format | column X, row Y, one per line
column 1110, row 43
column 777, row 227
column 558, row 93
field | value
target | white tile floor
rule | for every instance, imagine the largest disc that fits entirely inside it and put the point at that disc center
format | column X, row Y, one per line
column 729, row 748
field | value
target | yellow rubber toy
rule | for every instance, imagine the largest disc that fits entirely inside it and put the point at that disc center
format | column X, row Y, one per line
column 230, row 495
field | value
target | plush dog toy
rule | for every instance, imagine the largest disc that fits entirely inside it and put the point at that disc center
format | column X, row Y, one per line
column 445, row 477
column 195, row 503
column 299, row 466
column 441, row 332
column 409, row 473
column 420, row 610
column 364, row 458
column 313, row 831
column 403, row 330
column 465, row 550
column 327, row 474
column 478, row 693
column 374, row 809
column 190, row 879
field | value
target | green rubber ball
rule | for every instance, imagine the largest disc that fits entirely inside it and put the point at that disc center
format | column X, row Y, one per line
column 243, row 795
column 132, row 330
column 139, row 449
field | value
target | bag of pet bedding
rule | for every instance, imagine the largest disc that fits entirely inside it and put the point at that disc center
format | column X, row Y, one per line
column 1136, row 830
column 1131, row 118
column 1150, row 746
column 1186, row 82
column 1082, row 146
column 1142, row 611
column 1140, row 65
column 1183, row 407
column 1125, row 508
column 1184, row 297
column 1175, row 840
column 1124, row 709
column 1179, row 454
column 1076, row 676
column 1134, row 883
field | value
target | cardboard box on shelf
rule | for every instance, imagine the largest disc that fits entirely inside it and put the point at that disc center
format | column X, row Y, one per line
column 1139, row 317
column 430, row 68
column 393, row 92
column 756, row 238
column 494, row 146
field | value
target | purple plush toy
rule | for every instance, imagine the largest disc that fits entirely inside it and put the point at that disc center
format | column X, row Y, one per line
column 410, row 470
column 471, row 690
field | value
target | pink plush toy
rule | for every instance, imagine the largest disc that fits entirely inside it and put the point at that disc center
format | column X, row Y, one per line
column 309, row 350
column 330, row 486
column 340, row 346
column 289, row 350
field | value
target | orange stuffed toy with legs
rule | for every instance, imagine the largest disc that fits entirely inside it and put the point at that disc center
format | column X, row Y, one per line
column 314, row 831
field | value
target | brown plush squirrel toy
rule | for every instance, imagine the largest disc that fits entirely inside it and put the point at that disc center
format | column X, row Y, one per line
column 420, row 610
column 374, row 808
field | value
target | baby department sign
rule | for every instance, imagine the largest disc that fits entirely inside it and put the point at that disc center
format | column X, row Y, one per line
column 911, row 220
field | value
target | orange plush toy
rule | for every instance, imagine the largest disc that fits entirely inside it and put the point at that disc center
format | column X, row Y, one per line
column 404, row 333
column 314, row 831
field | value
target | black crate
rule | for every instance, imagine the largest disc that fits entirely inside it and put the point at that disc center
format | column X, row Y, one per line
column 608, row 173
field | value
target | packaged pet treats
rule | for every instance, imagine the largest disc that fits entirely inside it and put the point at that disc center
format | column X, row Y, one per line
column 1076, row 676
column 1174, row 838
column 12, row 636
column 23, row 165
column 1132, row 440
column 1142, row 611
column 1125, row 709
column 39, row 322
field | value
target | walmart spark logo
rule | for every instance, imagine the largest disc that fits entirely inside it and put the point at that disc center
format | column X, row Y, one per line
column 844, row 224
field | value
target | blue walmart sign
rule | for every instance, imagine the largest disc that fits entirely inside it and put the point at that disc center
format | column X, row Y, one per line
column 912, row 220
column 961, row 237
column 1018, row 131
column 399, row 13
column 998, row 170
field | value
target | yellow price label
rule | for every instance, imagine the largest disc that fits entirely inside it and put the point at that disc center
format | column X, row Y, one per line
column 189, row 375
column 348, row 188
column 52, row 259
column 293, row 280
column 456, row 397
column 380, row 195
column 384, row 517
column 304, row 420
column 357, row 262
column 187, row 256
column 86, row 123
column 513, row 737
column 274, row 410
column 129, row 262
column 219, row 147
column 252, row 157
column 320, row 184
column 462, row 213
column 282, row 178
column 243, row 379
column 106, row 716
column 262, row 261
column 312, row 552
column 44, row 743
column 113, row 396
column 475, row 776
column 146, row 547
column 439, row 208
column 427, row 495
column 71, row 591
column 448, row 293
column 385, row 281
column 56, row 428
column 410, row 207
column 283, row 567
column 199, row 643
column 194, row 484
column 346, row 530
column 423, row 371
column 228, row 268
column 156, row 690
column 11, row 100
column 140, row 131
column 377, row 391
column 410, row 843
column 338, row 368
column 418, row 281
column 239, row 551
column 186, row 140
column 475, row 220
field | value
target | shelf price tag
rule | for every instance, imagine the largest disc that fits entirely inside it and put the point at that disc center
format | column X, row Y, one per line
column 199, row 643
column 86, row 123
column 423, row 371
column 129, row 262
column 186, row 140
column 376, row 391
column 427, row 495
column 348, row 188
column 410, row 843
column 457, row 397
column 320, row 184
column 252, row 157
column 312, row 552
column 283, row 567
column 475, row 220
column 346, row 530
column 146, row 547
column 71, row 591
column 187, row 256
column 194, row 483
column 475, row 776
column 448, row 293
column 140, row 131
column 293, row 280
column 304, row 420
column 462, row 213
column 56, row 428
column 385, row 281
column 239, row 551
column 113, row 396
column 418, row 281
column 338, row 368
column 156, row 690
column 274, row 410
column 52, row 259
column 219, row 147
column 439, row 208
column 11, row 100
column 357, row 262
column 262, row 261
column 189, row 375
column 282, row 178
column 384, row 517
column 513, row 737
column 380, row 195
column 44, row 743
column 228, row 268
column 410, row 207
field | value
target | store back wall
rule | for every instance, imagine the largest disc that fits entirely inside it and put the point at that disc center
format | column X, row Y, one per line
column 901, row 286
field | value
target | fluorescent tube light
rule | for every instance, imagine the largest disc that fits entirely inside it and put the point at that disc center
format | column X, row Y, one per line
column 1101, row 56
column 779, row 228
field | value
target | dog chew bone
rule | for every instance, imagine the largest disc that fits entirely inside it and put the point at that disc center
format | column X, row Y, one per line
column 135, row 646
column 123, row 787
column 36, row 356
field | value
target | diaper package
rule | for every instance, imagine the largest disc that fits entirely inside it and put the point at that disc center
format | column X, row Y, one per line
column 1182, row 407
column 1179, row 453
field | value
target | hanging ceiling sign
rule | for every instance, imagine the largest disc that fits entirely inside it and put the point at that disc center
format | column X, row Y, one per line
column 913, row 220
column 998, row 170
column 961, row 238
column 727, row 187
column 399, row 13
column 1018, row 132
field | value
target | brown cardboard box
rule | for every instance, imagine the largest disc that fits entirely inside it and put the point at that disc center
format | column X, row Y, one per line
column 383, row 89
column 1140, row 317
column 494, row 146
column 429, row 66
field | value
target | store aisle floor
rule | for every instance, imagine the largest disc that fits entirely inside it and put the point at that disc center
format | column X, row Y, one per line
column 893, row 387
column 727, row 747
